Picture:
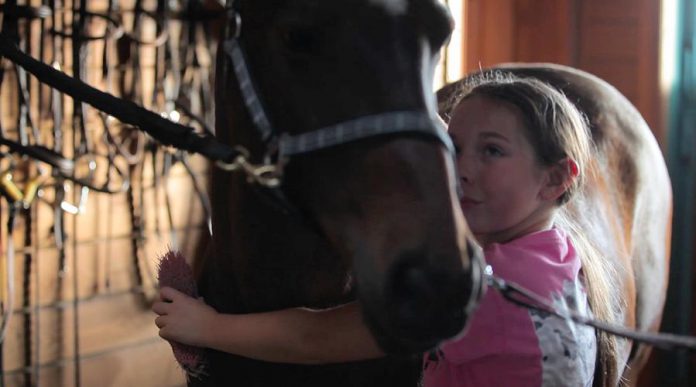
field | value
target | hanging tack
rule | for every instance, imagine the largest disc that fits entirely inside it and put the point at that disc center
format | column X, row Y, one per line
column 9, row 188
column 30, row 191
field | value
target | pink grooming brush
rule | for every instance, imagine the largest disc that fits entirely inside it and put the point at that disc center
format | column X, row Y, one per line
column 175, row 272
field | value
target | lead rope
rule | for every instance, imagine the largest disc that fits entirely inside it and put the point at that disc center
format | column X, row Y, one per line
column 26, row 297
column 9, row 269
column 58, row 22
column 37, row 268
column 7, row 294
column 80, row 148
column 3, row 278
column 530, row 300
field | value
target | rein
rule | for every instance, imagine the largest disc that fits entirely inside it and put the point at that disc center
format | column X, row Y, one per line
column 525, row 298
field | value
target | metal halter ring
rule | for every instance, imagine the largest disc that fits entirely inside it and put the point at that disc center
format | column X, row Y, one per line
column 265, row 174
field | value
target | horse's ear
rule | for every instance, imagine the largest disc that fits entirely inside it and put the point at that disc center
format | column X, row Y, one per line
column 260, row 9
column 560, row 177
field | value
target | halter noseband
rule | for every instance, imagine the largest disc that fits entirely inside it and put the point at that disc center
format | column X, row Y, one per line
column 287, row 145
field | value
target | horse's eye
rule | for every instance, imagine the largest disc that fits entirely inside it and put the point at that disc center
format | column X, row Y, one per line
column 302, row 40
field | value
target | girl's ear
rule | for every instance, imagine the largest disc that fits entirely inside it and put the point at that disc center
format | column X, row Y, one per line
column 560, row 177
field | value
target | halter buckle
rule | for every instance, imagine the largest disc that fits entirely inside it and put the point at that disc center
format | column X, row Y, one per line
column 266, row 175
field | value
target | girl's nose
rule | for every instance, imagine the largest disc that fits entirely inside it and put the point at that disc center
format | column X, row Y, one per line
column 464, row 170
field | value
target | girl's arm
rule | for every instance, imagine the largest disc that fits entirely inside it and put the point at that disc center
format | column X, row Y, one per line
column 299, row 335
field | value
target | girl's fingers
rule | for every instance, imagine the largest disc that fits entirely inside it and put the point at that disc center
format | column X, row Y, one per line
column 169, row 294
column 161, row 308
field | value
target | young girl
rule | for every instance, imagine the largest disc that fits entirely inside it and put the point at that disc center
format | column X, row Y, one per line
column 522, row 147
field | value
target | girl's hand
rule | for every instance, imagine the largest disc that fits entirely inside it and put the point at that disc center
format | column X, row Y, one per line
column 183, row 319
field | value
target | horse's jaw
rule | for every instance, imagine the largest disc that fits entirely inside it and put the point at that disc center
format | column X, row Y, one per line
column 411, row 267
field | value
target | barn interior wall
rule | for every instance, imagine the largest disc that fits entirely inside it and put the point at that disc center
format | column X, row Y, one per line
column 81, row 316
column 616, row 40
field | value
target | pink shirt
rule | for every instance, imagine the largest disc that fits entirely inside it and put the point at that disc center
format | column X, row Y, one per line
column 507, row 345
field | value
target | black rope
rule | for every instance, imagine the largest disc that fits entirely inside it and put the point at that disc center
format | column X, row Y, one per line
column 527, row 299
column 81, row 147
column 26, row 298
column 3, row 314
column 163, row 130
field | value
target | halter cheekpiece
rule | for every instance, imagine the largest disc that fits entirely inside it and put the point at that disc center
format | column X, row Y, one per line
column 282, row 145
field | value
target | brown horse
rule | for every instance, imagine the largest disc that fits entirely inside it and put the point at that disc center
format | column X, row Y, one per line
column 377, row 219
column 626, row 208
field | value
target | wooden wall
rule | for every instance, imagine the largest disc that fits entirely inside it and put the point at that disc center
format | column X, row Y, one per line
column 91, row 325
column 617, row 40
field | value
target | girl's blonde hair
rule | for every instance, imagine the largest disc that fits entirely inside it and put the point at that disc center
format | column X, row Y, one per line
column 558, row 130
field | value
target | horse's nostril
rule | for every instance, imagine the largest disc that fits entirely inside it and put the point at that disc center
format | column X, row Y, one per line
column 413, row 283
column 427, row 303
column 412, row 292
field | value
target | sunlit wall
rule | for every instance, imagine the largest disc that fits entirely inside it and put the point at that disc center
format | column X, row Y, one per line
column 450, row 68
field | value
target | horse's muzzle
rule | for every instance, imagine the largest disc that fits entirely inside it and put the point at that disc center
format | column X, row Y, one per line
column 424, row 303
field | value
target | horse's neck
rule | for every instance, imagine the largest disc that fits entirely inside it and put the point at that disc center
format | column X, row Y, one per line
column 262, row 259
column 269, row 259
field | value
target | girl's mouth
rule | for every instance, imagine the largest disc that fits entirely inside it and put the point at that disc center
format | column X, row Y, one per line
column 468, row 202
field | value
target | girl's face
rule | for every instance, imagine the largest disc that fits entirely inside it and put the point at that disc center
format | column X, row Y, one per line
column 505, row 189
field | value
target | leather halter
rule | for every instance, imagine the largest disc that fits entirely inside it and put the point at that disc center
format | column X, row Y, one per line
column 287, row 145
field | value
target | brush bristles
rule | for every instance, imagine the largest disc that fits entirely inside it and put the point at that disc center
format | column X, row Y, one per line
column 175, row 272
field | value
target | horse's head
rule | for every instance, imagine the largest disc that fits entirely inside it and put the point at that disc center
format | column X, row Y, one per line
column 386, row 201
